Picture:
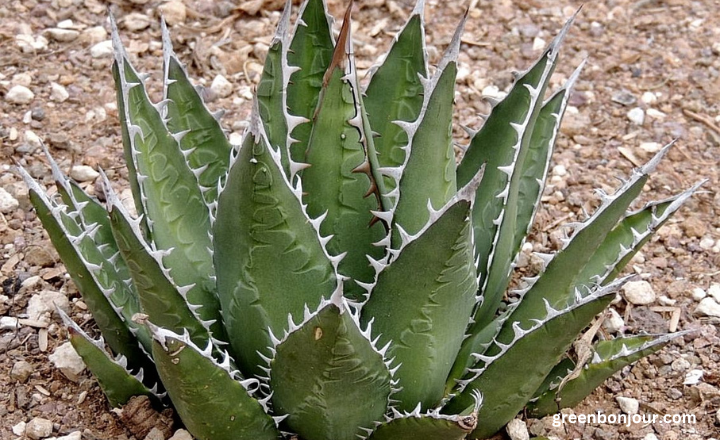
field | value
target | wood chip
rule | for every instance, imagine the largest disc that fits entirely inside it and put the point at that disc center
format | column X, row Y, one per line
column 42, row 390
column 9, row 267
column 33, row 323
column 43, row 339
column 675, row 313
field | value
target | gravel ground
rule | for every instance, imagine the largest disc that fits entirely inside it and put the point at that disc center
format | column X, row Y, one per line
column 651, row 77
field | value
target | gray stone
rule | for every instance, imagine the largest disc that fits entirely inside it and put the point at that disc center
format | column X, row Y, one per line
column 136, row 21
column 181, row 434
column 9, row 323
column 174, row 12
column 21, row 371
column 77, row 435
column 66, row 359
column 83, row 173
column 8, row 203
column 698, row 294
column 714, row 291
column 624, row 97
column 63, row 35
column 628, row 405
column 639, row 292
column 613, row 321
column 94, row 35
column 102, row 49
column 221, row 86
column 58, row 92
column 155, row 434
column 681, row 365
column 19, row 94
column 38, row 428
column 517, row 430
column 44, row 303
column 636, row 116
column 708, row 307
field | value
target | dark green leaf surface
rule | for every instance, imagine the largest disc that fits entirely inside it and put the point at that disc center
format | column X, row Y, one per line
column 328, row 378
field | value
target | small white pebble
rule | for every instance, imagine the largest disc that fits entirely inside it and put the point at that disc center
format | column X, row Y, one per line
column 649, row 98
column 493, row 92
column 102, row 49
column 58, row 93
column 559, row 170
column 636, row 116
column 680, row 364
column 63, row 35
column 707, row 243
column 613, row 321
column 32, row 139
column 693, row 377
column 221, row 86
column 539, row 43
column 38, row 428
column 83, row 173
column 654, row 113
column 665, row 301
column 517, row 430
column 19, row 428
column 628, row 405
column 66, row 359
column 181, row 434
column 639, row 292
column 698, row 294
column 174, row 12
column 714, row 291
column 8, row 203
column 9, row 323
column 19, row 94
column 22, row 79
column 235, row 138
column 651, row 147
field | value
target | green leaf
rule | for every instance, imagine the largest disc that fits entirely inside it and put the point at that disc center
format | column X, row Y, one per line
column 272, row 93
column 504, row 143
column 626, row 239
column 118, row 384
column 128, row 152
column 177, row 216
column 503, row 374
column 395, row 91
column 207, row 396
column 428, row 174
column 430, row 426
column 610, row 357
column 535, row 166
column 262, row 228
column 100, row 254
column 311, row 50
column 160, row 297
column 558, row 284
column 64, row 233
column 204, row 144
column 327, row 376
column 423, row 300
column 335, row 186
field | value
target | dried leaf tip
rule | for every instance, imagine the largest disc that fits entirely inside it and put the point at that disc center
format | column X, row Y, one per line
column 343, row 47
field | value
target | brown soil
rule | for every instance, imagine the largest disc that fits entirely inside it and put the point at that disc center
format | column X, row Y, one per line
column 662, row 57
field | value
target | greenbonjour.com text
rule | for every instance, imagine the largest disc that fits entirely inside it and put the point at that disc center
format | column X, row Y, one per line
column 622, row 419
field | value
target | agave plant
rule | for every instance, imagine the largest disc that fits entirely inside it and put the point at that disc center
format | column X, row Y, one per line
column 339, row 274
